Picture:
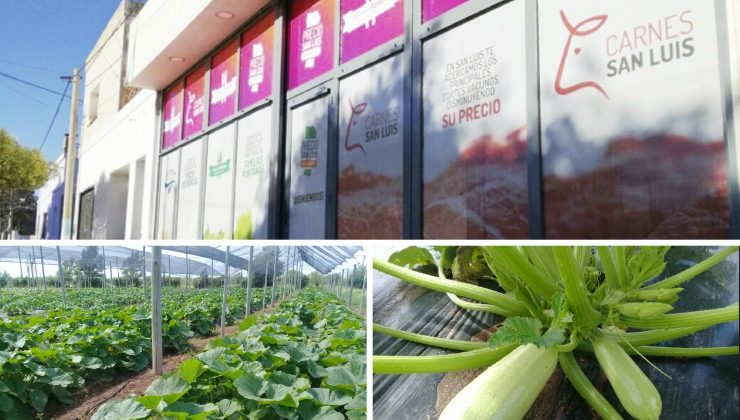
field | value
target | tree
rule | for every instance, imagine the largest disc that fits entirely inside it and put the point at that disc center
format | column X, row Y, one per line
column 22, row 170
column 90, row 269
column 133, row 267
column 315, row 278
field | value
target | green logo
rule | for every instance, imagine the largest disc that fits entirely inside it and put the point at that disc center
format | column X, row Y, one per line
column 310, row 132
column 219, row 168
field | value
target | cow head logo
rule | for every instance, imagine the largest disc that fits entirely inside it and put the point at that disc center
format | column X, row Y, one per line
column 583, row 28
column 356, row 111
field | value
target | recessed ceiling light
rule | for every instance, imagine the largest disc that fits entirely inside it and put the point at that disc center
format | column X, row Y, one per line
column 224, row 14
column 177, row 59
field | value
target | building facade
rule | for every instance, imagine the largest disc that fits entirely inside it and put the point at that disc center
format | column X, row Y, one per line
column 117, row 150
column 477, row 119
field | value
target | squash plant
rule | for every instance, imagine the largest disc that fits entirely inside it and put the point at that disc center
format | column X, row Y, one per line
column 556, row 300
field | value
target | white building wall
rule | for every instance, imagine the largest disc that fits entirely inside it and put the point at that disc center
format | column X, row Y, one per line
column 108, row 162
column 44, row 194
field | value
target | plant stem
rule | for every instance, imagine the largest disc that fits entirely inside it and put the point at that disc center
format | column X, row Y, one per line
column 607, row 263
column 585, row 388
column 512, row 261
column 644, row 338
column 482, row 307
column 694, row 271
column 706, row 317
column 685, row 351
column 574, row 288
column 444, row 343
column 440, row 363
column 448, row 286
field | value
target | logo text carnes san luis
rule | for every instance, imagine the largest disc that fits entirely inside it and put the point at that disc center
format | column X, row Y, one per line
column 647, row 44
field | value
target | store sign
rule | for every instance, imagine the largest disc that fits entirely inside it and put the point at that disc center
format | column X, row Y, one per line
column 370, row 199
column 475, row 128
column 430, row 9
column 311, row 49
column 223, row 83
column 189, row 198
column 172, row 126
column 632, row 128
column 219, row 184
column 255, row 80
column 309, row 133
column 367, row 24
column 254, row 148
column 168, row 186
column 195, row 85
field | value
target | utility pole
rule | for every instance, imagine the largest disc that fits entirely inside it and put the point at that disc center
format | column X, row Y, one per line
column 69, row 164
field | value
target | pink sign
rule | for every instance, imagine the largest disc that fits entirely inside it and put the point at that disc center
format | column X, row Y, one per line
column 255, row 79
column 430, row 9
column 195, row 85
column 223, row 83
column 369, row 23
column 172, row 116
column 311, row 48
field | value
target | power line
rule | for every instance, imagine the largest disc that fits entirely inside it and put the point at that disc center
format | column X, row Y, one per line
column 24, row 95
column 31, row 84
column 61, row 100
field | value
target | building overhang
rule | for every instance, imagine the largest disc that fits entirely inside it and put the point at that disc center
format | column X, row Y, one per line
column 170, row 36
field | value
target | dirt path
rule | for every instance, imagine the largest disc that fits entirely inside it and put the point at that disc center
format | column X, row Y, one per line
column 91, row 397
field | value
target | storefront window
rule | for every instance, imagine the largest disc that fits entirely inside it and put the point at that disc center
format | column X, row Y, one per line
column 195, row 85
column 311, row 41
column 219, row 184
column 370, row 199
column 168, row 186
column 189, row 197
column 475, row 129
column 223, row 83
column 430, row 9
column 309, row 136
column 366, row 25
column 252, row 187
column 255, row 79
column 632, row 129
column 172, row 127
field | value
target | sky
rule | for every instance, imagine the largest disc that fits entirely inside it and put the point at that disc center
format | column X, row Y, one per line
column 40, row 41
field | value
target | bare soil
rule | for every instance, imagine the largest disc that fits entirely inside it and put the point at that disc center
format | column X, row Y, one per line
column 92, row 396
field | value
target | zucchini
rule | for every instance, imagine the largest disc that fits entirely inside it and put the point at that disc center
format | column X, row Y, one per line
column 505, row 390
column 634, row 390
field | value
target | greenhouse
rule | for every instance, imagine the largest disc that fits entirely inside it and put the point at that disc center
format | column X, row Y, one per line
column 182, row 332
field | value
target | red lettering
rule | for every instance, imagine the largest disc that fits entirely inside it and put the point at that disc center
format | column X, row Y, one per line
column 684, row 18
column 640, row 32
column 609, row 51
column 669, row 27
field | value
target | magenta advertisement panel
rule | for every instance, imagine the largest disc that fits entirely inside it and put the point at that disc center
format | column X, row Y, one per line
column 367, row 24
column 311, row 43
column 255, row 77
column 430, row 9
column 194, row 89
column 223, row 83
column 172, row 131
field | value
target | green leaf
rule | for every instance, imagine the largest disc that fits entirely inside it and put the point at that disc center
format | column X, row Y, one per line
column 310, row 411
column 170, row 389
column 191, row 410
column 325, row 396
column 118, row 410
column 190, row 370
column 228, row 407
column 521, row 330
column 38, row 399
column 411, row 257
column 250, row 386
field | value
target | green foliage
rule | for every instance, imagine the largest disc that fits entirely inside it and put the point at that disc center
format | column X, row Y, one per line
column 243, row 228
column 21, row 168
column 304, row 361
